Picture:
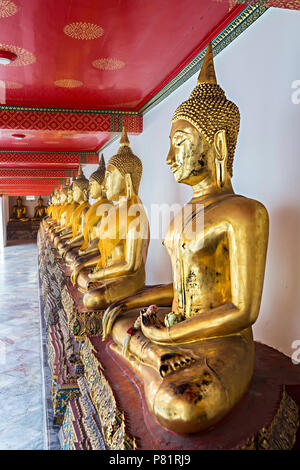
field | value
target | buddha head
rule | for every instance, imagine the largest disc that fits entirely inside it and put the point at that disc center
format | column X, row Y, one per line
column 123, row 172
column 204, row 132
column 40, row 202
column 80, row 187
column 19, row 201
column 96, row 187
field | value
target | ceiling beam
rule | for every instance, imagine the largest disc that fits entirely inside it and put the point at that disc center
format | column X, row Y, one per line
column 35, row 173
column 63, row 160
column 48, row 119
column 35, row 182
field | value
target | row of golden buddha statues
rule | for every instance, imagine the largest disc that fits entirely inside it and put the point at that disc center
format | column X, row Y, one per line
column 190, row 342
column 19, row 211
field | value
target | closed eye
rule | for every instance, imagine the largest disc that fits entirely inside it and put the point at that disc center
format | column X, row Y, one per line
column 179, row 143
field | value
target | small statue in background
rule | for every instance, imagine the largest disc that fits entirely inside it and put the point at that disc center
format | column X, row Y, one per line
column 19, row 211
column 39, row 210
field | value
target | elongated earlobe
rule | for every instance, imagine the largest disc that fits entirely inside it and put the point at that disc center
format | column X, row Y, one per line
column 221, row 157
column 129, row 186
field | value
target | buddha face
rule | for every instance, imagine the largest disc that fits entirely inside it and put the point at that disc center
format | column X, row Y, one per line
column 40, row 202
column 95, row 189
column 19, row 202
column 63, row 198
column 189, row 153
column 114, row 183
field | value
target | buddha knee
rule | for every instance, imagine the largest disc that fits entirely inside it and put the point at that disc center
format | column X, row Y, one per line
column 94, row 299
column 70, row 257
column 191, row 404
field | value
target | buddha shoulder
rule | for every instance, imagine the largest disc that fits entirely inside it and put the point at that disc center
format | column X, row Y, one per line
column 237, row 210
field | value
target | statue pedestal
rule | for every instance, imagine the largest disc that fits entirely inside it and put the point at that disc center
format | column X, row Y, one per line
column 101, row 402
column 22, row 230
column 266, row 418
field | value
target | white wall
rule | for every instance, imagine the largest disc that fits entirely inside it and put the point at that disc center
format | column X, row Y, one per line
column 256, row 71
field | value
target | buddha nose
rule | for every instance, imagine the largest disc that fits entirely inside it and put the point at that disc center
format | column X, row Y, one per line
column 170, row 157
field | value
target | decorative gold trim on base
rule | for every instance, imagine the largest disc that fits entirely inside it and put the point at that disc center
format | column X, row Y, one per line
column 281, row 434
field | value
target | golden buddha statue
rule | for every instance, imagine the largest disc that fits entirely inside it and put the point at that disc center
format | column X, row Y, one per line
column 119, row 270
column 85, row 245
column 19, row 211
column 196, row 361
column 39, row 210
column 49, row 207
column 61, row 211
column 80, row 188
column 49, row 219
column 65, row 229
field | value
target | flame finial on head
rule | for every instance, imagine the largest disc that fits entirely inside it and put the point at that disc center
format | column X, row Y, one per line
column 124, row 138
column 99, row 174
column 207, row 73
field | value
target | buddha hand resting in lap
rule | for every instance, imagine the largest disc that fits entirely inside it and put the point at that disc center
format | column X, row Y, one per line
column 123, row 236
column 85, row 245
column 196, row 361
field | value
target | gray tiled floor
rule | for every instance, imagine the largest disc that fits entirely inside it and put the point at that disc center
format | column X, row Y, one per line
column 22, row 422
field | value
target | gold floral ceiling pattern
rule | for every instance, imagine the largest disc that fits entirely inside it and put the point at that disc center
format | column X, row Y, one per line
column 108, row 63
column 68, row 83
column 10, row 85
column 7, row 8
column 24, row 57
column 83, row 31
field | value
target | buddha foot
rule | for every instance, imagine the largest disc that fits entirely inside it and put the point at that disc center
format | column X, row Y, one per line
column 172, row 362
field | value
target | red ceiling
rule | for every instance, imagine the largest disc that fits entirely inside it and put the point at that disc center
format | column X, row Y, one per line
column 53, row 140
column 127, row 50
column 153, row 39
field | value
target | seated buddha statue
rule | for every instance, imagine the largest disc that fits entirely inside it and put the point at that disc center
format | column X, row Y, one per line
column 61, row 211
column 19, row 211
column 80, row 188
column 39, row 210
column 119, row 270
column 48, row 220
column 85, row 245
column 196, row 359
column 64, row 229
column 48, row 208
column 52, row 221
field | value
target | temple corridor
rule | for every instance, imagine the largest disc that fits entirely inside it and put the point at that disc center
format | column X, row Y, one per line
column 21, row 390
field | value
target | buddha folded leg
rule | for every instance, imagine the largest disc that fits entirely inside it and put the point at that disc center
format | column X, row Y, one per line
column 112, row 290
column 188, row 387
column 71, row 254
column 61, row 242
